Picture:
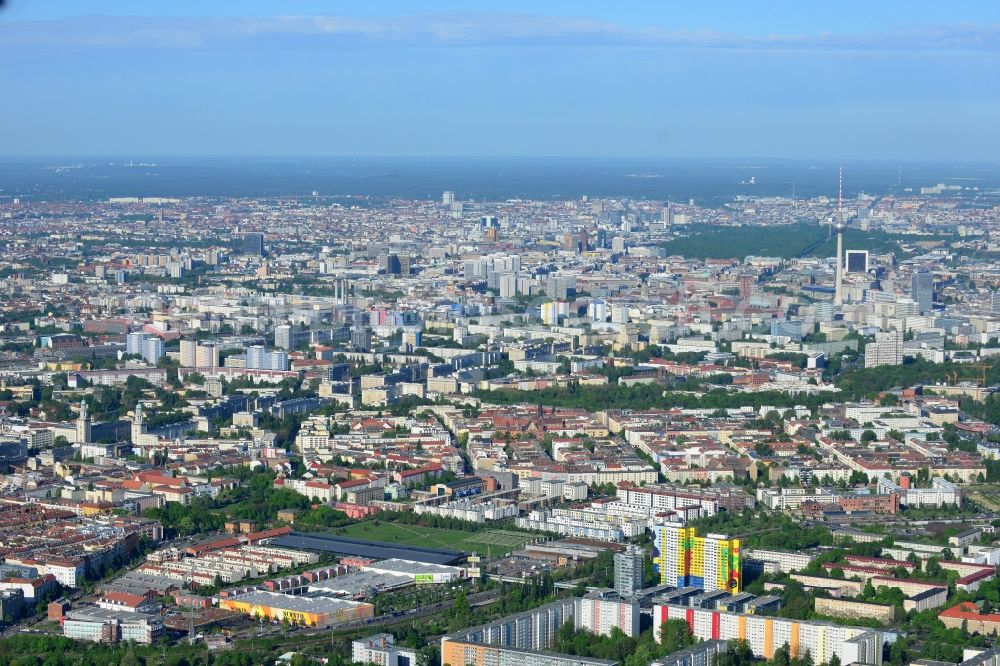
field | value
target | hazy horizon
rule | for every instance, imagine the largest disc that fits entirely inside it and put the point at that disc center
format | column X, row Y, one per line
column 708, row 181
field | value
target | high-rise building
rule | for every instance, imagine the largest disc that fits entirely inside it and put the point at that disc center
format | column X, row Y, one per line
column 523, row 639
column 189, row 353
column 252, row 244
column 448, row 198
column 283, row 337
column 790, row 329
column 134, row 342
column 995, row 301
column 207, row 356
column 390, row 264
column 508, row 285
column 146, row 345
column 683, row 559
column 260, row 358
column 825, row 312
column 602, row 239
column 361, row 338
column 601, row 613
column 549, row 313
column 154, row 350
column 194, row 355
column 856, row 261
column 628, row 571
column 557, row 286
column 922, row 289
column 886, row 350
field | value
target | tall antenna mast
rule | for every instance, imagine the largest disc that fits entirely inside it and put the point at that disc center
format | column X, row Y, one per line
column 840, row 194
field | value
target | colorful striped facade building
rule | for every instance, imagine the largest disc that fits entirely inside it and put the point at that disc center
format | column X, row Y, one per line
column 821, row 640
column 523, row 639
column 684, row 559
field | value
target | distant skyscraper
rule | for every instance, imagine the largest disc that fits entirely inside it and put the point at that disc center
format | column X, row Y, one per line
column 390, row 264
column 995, row 301
column 602, row 238
column 253, row 244
column 448, row 198
column 923, row 291
column 628, row 571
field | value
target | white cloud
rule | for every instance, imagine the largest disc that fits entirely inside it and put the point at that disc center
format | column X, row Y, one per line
column 469, row 29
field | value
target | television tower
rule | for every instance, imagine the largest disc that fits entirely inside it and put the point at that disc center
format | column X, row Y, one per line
column 838, row 294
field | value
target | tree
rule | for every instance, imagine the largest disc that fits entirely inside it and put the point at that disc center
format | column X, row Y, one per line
column 675, row 635
column 781, row 656
column 739, row 653
column 858, row 478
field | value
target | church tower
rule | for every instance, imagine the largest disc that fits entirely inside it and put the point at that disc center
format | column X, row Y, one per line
column 83, row 425
column 138, row 429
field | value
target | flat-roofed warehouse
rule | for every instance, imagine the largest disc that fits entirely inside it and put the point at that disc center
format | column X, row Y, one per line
column 313, row 611
column 376, row 550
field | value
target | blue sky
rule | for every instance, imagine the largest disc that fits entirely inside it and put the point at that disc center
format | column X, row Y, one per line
column 852, row 80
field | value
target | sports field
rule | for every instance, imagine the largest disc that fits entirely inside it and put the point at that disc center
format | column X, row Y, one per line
column 487, row 542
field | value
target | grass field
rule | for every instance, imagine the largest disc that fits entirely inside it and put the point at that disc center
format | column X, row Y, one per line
column 986, row 496
column 487, row 542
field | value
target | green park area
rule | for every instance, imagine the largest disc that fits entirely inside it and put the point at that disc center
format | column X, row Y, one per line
column 787, row 242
